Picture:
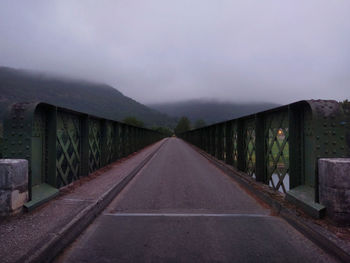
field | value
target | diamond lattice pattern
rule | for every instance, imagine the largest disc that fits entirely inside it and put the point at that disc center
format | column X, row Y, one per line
column 68, row 148
column 276, row 141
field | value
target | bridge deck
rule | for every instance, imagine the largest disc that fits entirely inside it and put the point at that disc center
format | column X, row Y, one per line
column 180, row 208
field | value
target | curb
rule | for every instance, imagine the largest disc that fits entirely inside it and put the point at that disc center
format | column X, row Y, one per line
column 335, row 247
column 71, row 231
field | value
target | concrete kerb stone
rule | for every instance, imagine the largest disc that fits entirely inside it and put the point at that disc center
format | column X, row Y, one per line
column 72, row 230
column 334, row 172
column 13, row 185
column 334, row 188
column 320, row 236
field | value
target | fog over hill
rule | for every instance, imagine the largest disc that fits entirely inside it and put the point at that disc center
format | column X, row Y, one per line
column 105, row 101
column 211, row 111
column 93, row 98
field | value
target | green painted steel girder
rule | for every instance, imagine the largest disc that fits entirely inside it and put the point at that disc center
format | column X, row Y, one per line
column 282, row 142
column 62, row 145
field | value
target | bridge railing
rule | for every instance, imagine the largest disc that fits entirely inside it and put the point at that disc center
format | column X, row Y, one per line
column 281, row 146
column 62, row 145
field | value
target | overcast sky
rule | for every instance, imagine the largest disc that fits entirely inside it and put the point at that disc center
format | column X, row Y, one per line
column 159, row 50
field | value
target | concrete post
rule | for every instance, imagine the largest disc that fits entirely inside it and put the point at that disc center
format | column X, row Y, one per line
column 334, row 188
column 13, row 185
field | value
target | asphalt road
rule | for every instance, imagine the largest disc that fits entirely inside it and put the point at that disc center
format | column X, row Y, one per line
column 180, row 208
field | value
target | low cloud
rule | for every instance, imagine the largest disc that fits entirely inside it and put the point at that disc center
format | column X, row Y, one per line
column 156, row 51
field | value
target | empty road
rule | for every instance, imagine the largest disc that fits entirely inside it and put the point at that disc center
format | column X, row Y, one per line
column 181, row 208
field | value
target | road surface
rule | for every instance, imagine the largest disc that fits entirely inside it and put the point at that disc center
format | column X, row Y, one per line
column 181, row 208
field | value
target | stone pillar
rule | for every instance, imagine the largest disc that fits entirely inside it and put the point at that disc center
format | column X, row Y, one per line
column 334, row 188
column 13, row 185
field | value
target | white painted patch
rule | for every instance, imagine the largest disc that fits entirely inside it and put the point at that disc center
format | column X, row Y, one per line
column 18, row 199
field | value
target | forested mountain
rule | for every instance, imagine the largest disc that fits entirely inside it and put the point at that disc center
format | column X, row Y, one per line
column 93, row 98
column 210, row 111
column 105, row 101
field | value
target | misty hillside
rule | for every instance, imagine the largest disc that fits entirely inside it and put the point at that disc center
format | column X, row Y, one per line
column 96, row 99
column 210, row 111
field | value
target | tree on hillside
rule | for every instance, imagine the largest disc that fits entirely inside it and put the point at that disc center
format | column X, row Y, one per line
column 199, row 124
column 346, row 104
column 134, row 121
column 346, row 107
column 164, row 130
column 183, row 125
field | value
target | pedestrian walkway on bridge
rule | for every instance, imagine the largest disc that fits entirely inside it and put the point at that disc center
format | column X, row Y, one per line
column 181, row 208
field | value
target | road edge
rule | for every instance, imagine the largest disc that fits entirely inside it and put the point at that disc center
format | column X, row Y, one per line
column 309, row 229
column 78, row 224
